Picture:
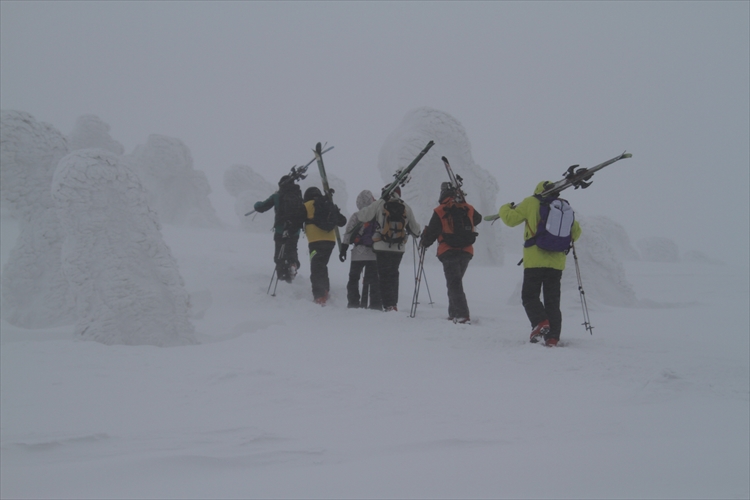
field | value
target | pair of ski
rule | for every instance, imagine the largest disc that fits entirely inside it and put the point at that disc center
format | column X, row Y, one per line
column 576, row 177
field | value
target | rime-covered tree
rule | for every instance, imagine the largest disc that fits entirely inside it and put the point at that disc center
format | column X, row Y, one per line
column 658, row 249
column 91, row 132
column 247, row 187
column 34, row 290
column 401, row 147
column 126, row 284
column 176, row 191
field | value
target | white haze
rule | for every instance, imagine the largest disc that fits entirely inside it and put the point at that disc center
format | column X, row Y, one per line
column 196, row 109
column 267, row 396
column 537, row 86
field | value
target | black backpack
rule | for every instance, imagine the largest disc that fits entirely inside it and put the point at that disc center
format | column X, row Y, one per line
column 393, row 231
column 292, row 210
column 326, row 213
column 461, row 225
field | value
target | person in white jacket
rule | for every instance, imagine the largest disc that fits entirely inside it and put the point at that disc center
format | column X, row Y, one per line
column 360, row 236
column 395, row 221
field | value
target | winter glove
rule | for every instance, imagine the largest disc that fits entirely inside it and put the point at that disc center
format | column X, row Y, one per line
column 342, row 253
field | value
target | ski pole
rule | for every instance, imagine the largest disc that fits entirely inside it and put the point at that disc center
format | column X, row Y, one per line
column 417, row 281
column 586, row 320
column 424, row 274
column 271, row 282
column 278, row 259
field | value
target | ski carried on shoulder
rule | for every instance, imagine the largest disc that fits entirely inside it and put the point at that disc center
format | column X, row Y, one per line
column 297, row 173
column 402, row 175
column 456, row 181
column 327, row 191
column 575, row 176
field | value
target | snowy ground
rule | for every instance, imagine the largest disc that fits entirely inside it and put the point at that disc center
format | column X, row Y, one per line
column 286, row 399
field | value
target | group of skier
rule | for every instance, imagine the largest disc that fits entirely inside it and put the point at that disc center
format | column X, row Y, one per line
column 377, row 234
column 377, row 237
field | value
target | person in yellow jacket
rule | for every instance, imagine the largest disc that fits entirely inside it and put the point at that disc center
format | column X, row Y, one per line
column 320, row 242
column 542, row 271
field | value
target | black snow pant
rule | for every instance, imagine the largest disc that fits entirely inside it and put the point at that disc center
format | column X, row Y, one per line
column 370, row 285
column 320, row 253
column 388, row 263
column 285, row 254
column 546, row 281
column 454, row 268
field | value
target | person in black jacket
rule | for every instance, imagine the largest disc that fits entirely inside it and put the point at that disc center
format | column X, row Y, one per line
column 455, row 248
column 286, row 227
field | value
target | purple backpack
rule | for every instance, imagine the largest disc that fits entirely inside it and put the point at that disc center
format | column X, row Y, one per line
column 365, row 233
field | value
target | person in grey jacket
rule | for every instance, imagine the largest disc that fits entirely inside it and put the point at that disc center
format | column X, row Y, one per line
column 360, row 235
column 388, row 253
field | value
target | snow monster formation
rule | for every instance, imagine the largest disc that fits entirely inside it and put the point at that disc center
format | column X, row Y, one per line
column 126, row 284
column 247, row 186
column 419, row 127
column 91, row 132
column 658, row 249
column 34, row 291
column 177, row 192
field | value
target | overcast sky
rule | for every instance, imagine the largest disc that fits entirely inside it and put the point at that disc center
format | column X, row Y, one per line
column 537, row 85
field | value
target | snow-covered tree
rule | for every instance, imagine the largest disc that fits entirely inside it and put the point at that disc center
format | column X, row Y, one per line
column 247, row 187
column 34, row 290
column 602, row 271
column 658, row 249
column 126, row 284
column 618, row 238
column 91, row 132
column 177, row 192
column 419, row 127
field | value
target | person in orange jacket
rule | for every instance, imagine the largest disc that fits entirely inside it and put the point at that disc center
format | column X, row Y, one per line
column 455, row 248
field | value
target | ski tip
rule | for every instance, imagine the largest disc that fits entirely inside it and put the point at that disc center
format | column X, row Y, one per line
column 627, row 155
column 444, row 159
column 318, row 147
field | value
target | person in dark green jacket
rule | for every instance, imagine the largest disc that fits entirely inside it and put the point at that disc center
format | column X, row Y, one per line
column 543, row 269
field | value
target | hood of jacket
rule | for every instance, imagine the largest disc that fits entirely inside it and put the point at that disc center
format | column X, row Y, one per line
column 364, row 199
column 540, row 187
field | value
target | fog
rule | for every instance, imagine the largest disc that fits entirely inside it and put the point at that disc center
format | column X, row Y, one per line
column 537, row 87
